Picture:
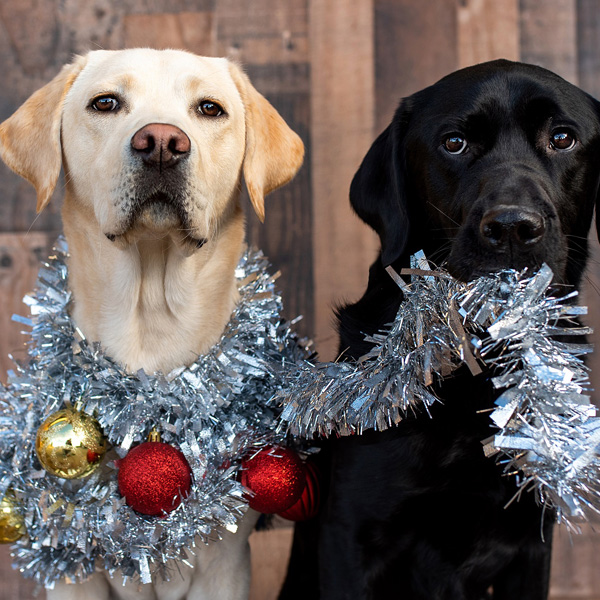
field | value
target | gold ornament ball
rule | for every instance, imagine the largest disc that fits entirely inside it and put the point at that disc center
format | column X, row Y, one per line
column 12, row 522
column 70, row 444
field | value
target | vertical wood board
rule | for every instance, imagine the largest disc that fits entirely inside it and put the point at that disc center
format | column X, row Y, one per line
column 342, row 101
column 20, row 257
column 575, row 572
column 549, row 36
column 415, row 45
column 487, row 29
column 271, row 41
column 588, row 46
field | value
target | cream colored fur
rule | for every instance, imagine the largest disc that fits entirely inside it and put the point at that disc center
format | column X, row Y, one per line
column 148, row 295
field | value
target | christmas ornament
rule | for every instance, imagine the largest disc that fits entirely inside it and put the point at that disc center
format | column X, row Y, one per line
column 508, row 322
column 216, row 411
column 154, row 477
column 276, row 478
column 307, row 506
column 70, row 443
column 12, row 523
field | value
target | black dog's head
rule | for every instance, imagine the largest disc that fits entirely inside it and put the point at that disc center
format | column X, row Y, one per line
column 494, row 166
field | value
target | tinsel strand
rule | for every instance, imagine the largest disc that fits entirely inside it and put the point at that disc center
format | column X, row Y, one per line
column 507, row 322
column 215, row 411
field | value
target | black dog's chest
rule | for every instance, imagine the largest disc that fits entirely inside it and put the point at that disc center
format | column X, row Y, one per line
column 425, row 487
column 421, row 502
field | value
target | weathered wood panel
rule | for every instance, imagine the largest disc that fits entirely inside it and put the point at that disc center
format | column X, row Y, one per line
column 549, row 35
column 20, row 256
column 192, row 31
column 271, row 41
column 588, row 45
column 342, row 120
column 487, row 29
column 415, row 45
column 263, row 31
column 575, row 572
column 15, row 587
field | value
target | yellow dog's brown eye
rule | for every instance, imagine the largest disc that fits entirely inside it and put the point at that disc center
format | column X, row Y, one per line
column 455, row 144
column 210, row 108
column 562, row 140
column 105, row 103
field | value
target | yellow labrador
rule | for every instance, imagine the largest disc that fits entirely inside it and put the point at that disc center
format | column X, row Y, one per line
column 153, row 145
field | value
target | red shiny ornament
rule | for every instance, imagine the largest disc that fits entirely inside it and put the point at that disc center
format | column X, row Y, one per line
column 307, row 506
column 154, row 477
column 276, row 476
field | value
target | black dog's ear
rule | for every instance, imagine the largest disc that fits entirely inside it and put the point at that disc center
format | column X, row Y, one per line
column 597, row 205
column 597, row 209
column 377, row 192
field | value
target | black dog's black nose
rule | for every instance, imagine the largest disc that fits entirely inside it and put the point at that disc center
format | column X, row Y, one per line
column 503, row 225
column 160, row 144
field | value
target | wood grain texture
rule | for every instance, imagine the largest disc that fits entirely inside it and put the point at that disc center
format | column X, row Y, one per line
column 549, row 36
column 20, row 256
column 192, row 31
column 15, row 587
column 271, row 41
column 588, row 46
column 575, row 572
column 414, row 47
column 487, row 29
column 263, row 31
column 342, row 129
column 285, row 236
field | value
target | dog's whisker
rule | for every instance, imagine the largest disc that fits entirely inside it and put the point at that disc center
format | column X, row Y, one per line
column 443, row 213
column 592, row 284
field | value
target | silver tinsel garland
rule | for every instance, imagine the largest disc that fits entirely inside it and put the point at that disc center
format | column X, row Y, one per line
column 548, row 431
column 215, row 411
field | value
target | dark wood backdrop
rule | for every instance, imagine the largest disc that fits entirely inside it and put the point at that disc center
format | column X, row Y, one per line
column 335, row 69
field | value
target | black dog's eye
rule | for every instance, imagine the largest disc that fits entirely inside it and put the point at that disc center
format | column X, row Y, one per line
column 562, row 140
column 455, row 144
column 105, row 103
column 210, row 108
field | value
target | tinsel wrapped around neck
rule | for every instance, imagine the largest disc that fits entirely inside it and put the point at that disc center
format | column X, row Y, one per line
column 508, row 323
column 215, row 411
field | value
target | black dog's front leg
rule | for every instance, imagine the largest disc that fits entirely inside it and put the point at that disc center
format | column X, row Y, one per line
column 527, row 577
column 343, row 577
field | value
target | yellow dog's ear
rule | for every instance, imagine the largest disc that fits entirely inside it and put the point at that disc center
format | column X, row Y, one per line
column 30, row 138
column 274, row 153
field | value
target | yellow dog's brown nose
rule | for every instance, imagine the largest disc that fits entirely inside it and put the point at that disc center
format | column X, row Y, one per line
column 161, row 145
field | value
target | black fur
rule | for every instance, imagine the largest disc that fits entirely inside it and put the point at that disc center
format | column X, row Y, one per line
column 417, row 512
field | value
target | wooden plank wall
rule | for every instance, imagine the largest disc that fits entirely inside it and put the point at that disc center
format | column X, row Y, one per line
column 336, row 71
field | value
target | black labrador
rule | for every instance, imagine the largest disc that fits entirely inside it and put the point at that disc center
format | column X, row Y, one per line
column 495, row 166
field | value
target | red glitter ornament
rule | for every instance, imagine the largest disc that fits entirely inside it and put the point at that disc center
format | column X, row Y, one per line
column 154, row 477
column 307, row 506
column 276, row 476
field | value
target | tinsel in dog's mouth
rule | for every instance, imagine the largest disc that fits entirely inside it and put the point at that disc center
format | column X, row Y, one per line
column 544, row 429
